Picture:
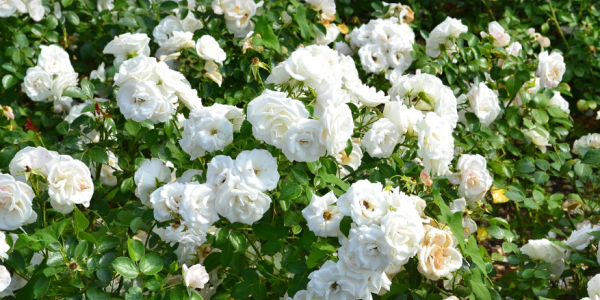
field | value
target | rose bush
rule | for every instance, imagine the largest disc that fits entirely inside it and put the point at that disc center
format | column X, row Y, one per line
column 234, row 149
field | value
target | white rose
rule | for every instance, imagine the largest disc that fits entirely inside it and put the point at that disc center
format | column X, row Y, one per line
column 323, row 218
column 59, row 85
column 212, row 72
column 543, row 250
column 365, row 202
column 166, row 200
column 179, row 40
column 337, row 127
column 272, row 114
column 239, row 202
column 15, row 203
column 404, row 233
column 188, row 239
column 302, row 141
column 4, row 246
column 483, row 102
column 138, row 101
column 35, row 9
column 106, row 173
column 165, row 28
column 257, row 168
column 538, row 136
column 581, row 238
column 353, row 160
column 218, row 171
column 205, row 131
column 473, row 177
column 326, row 8
column 332, row 33
column 328, row 283
column 514, row 49
column 368, row 245
column 145, row 178
column 343, row 48
column 437, row 257
column 54, row 60
column 501, row 39
column 197, row 207
column 551, row 69
column 7, row 8
column 442, row 35
column 369, row 96
column 373, row 58
column 399, row 54
column 382, row 138
column 195, row 277
column 187, row 176
column 139, row 68
column 559, row 101
column 30, row 159
column 128, row 45
column 69, row 183
column 593, row 287
column 99, row 73
column 208, row 49
column 234, row 114
column 37, row 84
column 4, row 277
column 105, row 5
column 436, row 144
column 591, row 140
column 426, row 92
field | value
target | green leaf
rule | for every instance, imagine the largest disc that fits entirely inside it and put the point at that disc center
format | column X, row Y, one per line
column 300, row 176
column 540, row 116
column 82, row 221
column 454, row 220
column 66, row 3
column 345, row 225
column 151, row 264
column 479, row 289
column 41, row 287
column 241, row 290
column 264, row 231
column 305, row 30
column 134, row 293
column 472, row 122
column 63, row 128
column 315, row 256
column 98, row 155
column 270, row 40
column 238, row 241
column 169, row 5
column 132, row 127
column 290, row 191
column 136, row 249
column 21, row 40
column 88, row 88
column 8, row 81
column 591, row 157
column 513, row 85
column 473, row 251
column 126, row 267
column 74, row 92
column 107, row 242
column 72, row 17
column 336, row 180
column 525, row 166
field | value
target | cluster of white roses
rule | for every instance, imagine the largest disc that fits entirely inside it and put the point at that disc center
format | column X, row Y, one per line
column 148, row 90
column 285, row 123
column 69, row 182
column 47, row 81
column 234, row 189
column 388, row 229
column 382, row 44
column 34, row 8
column 238, row 14
column 210, row 129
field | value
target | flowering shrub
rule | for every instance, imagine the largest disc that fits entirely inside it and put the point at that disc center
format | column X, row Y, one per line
column 234, row 149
